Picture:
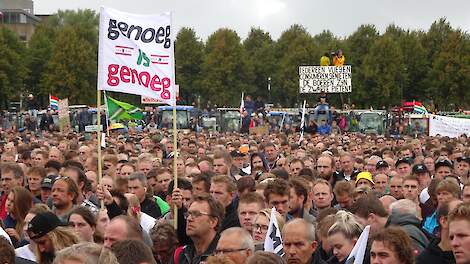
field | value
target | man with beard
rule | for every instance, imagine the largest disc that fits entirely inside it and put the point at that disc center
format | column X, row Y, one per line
column 298, row 238
column 326, row 168
column 299, row 189
column 272, row 154
column 203, row 219
column 64, row 194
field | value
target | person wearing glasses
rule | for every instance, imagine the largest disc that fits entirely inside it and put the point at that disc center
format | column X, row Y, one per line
column 236, row 244
column 203, row 221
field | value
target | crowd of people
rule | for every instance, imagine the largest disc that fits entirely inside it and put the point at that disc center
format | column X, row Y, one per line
column 413, row 193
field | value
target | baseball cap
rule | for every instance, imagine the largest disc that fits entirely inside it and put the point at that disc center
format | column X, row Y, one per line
column 244, row 149
column 420, row 168
column 464, row 159
column 48, row 181
column 403, row 160
column 236, row 153
column 365, row 175
column 443, row 162
column 381, row 164
column 42, row 224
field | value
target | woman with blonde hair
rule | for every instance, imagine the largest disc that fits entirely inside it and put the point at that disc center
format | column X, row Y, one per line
column 343, row 235
column 260, row 228
column 85, row 253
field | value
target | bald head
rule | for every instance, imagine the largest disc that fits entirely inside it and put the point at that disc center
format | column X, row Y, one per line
column 300, row 226
column 386, row 201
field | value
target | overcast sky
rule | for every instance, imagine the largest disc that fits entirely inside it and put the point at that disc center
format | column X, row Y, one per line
column 342, row 17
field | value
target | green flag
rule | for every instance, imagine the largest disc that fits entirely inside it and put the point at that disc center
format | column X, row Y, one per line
column 119, row 111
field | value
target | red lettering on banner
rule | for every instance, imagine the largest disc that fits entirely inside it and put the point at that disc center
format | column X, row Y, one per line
column 124, row 74
column 117, row 73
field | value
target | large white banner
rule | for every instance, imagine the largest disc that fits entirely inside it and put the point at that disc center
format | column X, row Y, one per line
column 448, row 126
column 136, row 54
column 328, row 79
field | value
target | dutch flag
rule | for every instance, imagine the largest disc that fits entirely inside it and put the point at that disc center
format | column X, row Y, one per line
column 54, row 102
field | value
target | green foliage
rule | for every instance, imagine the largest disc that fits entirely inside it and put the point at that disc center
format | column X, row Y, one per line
column 72, row 70
column 189, row 55
column 12, row 67
column 225, row 71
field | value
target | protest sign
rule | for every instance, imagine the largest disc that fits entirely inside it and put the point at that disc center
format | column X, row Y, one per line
column 136, row 54
column 448, row 126
column 328, row 79
column 64, row 118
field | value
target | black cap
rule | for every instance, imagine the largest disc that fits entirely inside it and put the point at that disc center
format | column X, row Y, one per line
column 464, row 159
column 48, row 181
column 236, row 153
column 420, row 168
column 403, row 160
column 381, row 164
column 42, row 224
column 443, row 162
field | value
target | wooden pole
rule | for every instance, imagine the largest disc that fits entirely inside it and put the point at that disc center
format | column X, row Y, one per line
column 175, row 171
column 100, row 171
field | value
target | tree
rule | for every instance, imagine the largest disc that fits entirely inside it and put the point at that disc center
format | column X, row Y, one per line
column 384, row 73
column 72, row 70
column 12, row 66
column 39, row 53
column 260, row 55
column 189, row 56
column 294, row 48
column 450, row 73
column 225, row 70
column 357, row 46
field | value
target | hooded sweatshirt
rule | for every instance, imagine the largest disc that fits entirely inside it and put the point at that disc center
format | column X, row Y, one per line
column 411, row 224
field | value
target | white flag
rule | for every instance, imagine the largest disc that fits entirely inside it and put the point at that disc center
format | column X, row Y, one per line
column 242, row 105
column 103, row 140
column 359, row 250
column 302, row 124
column 273, row 240
column 136, row 54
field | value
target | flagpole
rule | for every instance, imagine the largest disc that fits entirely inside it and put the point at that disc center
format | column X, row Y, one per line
column 175, row 157
column 107, row 113
column 100, row 172
column 302, row 123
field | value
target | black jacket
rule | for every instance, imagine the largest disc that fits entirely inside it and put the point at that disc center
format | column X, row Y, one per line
column 189, row 256
column 434, row 254
column 231, row 216
column 149, row 207
column 320, row 256
column 412, row 227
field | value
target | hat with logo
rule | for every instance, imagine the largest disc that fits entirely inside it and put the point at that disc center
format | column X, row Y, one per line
column 403, row 160
column 42, row 224
column 420, row 168
column 48, row 181
column 443, row 163
column 381, row 164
